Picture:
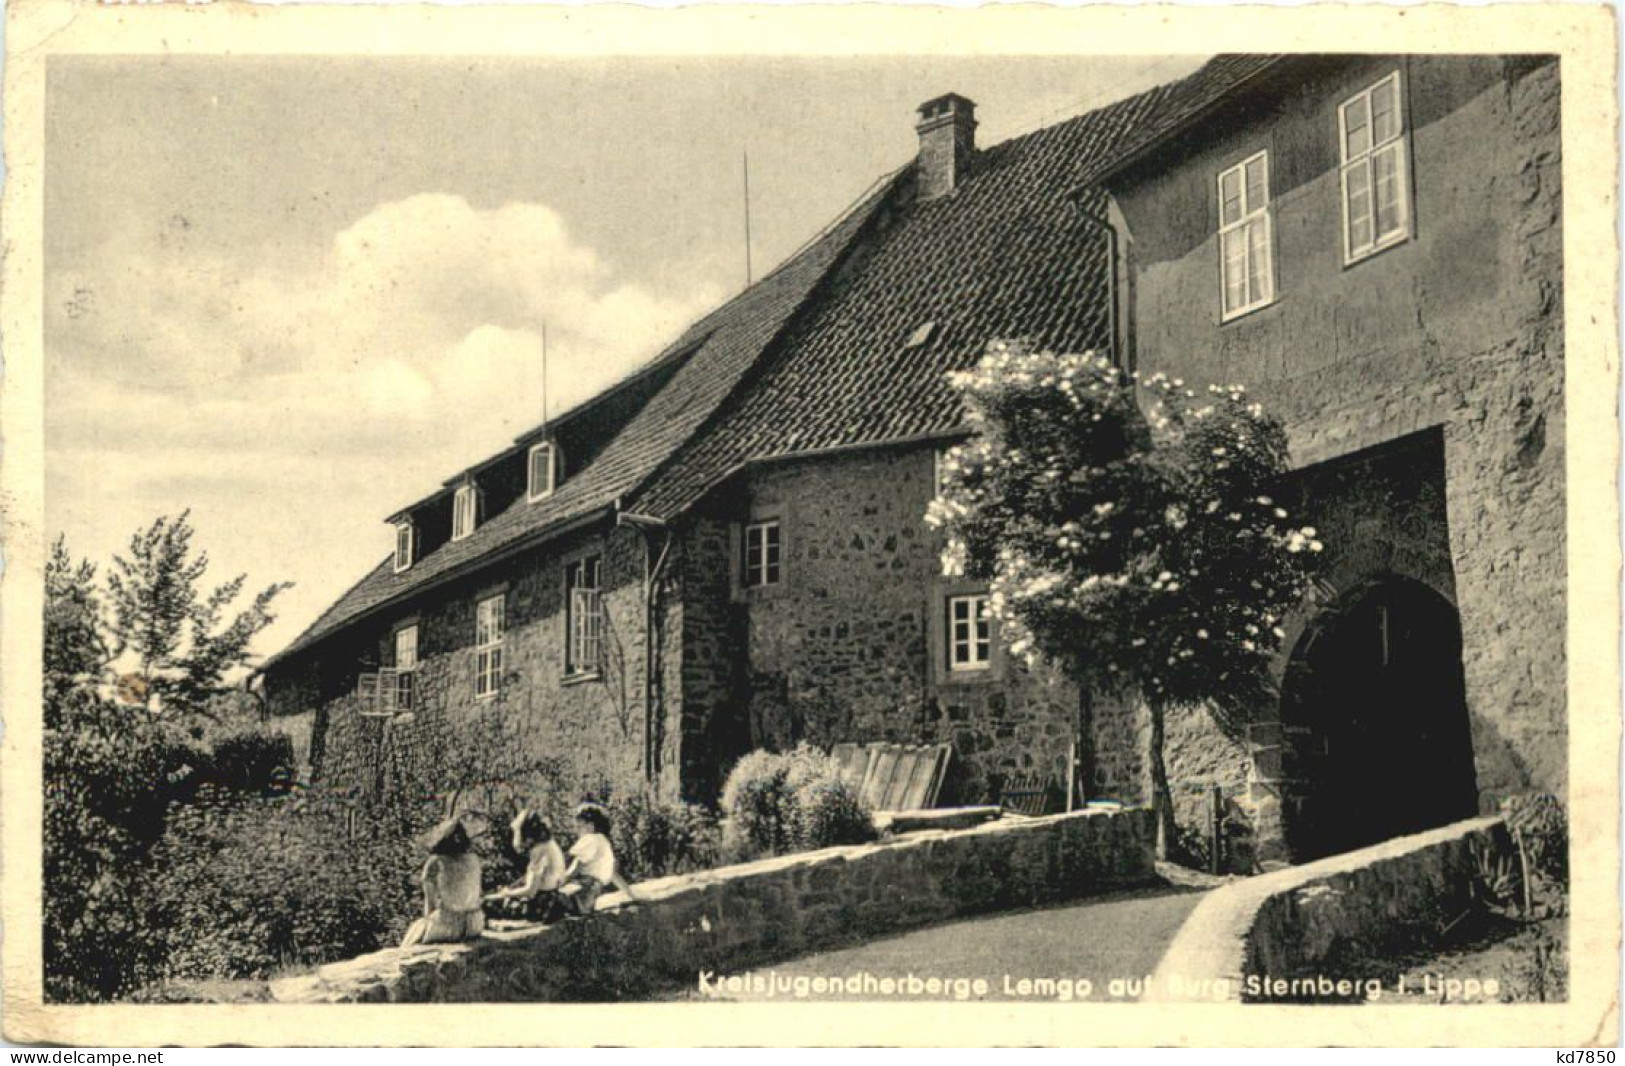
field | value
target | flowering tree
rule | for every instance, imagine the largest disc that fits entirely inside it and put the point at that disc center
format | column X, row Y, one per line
column 1134, row 545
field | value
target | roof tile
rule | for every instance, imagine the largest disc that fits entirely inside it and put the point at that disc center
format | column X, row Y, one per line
column 1005, row 255
column 816, row 354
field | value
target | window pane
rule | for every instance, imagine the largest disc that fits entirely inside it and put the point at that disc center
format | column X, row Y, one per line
column 1258, row 261
column 1234, row 251
column 1390, row 190
column 1384, row 112
column 488, row 621
column 1356, row 127
column 1357, row 197
column 1258, row 193
column 1229, row 196
column 541, row 470
column 406, row 648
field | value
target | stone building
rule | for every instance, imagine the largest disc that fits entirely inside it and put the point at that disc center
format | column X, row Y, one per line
column 1373, row 246
column 727, row 550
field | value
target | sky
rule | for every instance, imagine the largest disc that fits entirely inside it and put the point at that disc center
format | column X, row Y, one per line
column 296, row 293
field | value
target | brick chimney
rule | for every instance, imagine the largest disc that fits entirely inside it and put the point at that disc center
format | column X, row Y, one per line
column 947, row 130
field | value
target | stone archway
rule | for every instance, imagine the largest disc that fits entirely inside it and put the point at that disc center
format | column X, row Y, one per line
column 1374, row 709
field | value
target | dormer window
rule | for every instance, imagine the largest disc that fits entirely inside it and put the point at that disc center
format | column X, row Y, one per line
column 544, row 470
column 404, row 544
column 465, row 510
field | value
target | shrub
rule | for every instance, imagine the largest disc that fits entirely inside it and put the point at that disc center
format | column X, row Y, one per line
column 826, row 809
column 253, row 761
column 655, row 839
column 756, row 803
column 1542, row 828
column 241, row 886
column 774, row 804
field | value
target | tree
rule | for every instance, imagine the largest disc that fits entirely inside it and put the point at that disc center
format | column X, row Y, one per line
column 112, row 773
column 76, row 650
column 175, row 631
column 1137, row 548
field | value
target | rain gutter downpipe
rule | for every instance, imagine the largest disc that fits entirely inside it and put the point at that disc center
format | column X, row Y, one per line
column 1103, row 223
column 653, row 565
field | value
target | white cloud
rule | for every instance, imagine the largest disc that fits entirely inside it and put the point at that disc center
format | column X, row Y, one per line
column 407, row 348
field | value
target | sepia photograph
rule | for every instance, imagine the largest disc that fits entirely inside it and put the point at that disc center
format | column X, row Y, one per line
column 901, row 526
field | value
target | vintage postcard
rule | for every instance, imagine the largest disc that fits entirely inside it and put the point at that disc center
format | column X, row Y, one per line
column 870, row 525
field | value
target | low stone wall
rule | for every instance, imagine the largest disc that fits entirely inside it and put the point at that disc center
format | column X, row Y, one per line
column 1323, row 918
column 737, row 917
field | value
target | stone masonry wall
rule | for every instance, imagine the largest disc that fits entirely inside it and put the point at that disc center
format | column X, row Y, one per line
column 727, row 920
column 851, row 645
column 542, row 729
column 1326, row 919
column 1456, row 331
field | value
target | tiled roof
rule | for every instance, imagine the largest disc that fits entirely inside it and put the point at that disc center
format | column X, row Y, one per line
column 1188, row 100
column 1007, row 254
column 811, row 357
column 729, row 342
column 672, row 356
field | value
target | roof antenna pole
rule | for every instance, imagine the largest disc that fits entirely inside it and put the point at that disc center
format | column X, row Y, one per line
column 544, row 375
column 748, row 275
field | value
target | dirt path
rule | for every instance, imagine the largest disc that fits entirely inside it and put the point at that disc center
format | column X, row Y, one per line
column 1096, row 950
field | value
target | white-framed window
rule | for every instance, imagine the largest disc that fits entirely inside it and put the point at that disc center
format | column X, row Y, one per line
column 543, row 475
column 377, row 692
column 488, row 633
column 970, row 633
column 1375, row 170
column 583, row 615
column 405, row 542
column 1246, row 237
column 366, row 693
column 465, row 510
column 763, row 562
column 406, row 667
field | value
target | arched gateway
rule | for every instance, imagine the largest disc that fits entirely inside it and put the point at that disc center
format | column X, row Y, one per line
column 1374, row 701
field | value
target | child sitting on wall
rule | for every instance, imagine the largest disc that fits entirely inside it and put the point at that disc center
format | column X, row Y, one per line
column 532, row 897
column 592, row 867
column 451, row 889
